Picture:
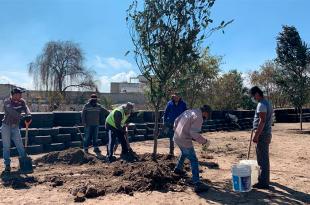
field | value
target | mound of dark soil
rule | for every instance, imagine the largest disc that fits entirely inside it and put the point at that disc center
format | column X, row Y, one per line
column 97, row 179
column 74, row 156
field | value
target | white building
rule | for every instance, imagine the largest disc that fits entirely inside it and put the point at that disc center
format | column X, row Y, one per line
column 135, row 85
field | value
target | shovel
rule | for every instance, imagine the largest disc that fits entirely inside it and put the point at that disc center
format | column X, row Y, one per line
column 79, row 131
column 25, row 163
column 126, row 138
column 249, row 151
column 27, row 124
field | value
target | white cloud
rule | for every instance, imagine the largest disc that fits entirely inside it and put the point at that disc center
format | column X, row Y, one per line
column 17, row 78
column 123, row 77
column 5, row 80
column 111, row 62
column 105, row 81
column 104, row 84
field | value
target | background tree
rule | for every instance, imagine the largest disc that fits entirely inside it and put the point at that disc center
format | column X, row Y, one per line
column 196, row 79
column 106, row 102
column 265, row 79
column 227, row 91
column 293, row 58
column 166, row 36
column 60, row 68
column 246, row 102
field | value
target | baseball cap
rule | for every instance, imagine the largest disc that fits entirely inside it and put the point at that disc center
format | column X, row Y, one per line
column 93, row 96
column 17, row 90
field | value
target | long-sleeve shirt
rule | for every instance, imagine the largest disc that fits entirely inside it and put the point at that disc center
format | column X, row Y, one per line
column 173, row 111
column 94, row 115
column 187, row 128
column 13, row 110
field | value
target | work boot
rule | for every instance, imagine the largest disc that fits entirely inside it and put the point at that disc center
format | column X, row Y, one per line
column 200, row 187
column 260, row 186
column 97, row 150
column 170, row 156
column 111, row 159
column 128, row 157
column 25, row 164
column 7, row 169
column 179, row 172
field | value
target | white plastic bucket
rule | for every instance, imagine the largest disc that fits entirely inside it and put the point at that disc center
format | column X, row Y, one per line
column 241, row 177
column 255, row 170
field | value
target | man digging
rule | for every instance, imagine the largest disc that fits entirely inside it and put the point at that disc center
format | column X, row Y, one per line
column 91, row 118
column 187, row 128
column 262, row 124
column 115, row 124
column 13, row 107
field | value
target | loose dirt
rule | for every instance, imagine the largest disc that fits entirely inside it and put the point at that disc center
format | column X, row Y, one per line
column 73, row 156
column 71, row 176
column 101, row 178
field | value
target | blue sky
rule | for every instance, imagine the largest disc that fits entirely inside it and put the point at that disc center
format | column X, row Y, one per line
column 99, row 27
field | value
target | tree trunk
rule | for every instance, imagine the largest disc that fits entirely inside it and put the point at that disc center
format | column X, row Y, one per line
column 156, row 131
column 300, row 119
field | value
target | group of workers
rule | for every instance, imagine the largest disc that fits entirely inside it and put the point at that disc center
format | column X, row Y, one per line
column 94, row 114
column 181, row 125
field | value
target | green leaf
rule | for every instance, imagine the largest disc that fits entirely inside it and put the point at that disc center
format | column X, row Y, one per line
column 127, row 52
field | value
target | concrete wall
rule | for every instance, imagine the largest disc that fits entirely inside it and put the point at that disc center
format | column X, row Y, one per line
column 125, row 87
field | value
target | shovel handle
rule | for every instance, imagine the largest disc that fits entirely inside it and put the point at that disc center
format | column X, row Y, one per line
column 249, row 151
column 126, row 136
column 27, row 124
column 78, row 129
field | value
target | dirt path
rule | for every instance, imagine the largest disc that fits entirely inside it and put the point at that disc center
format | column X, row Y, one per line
column 290, row 175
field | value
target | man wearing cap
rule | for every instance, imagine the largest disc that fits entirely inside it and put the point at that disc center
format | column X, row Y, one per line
column 115, row 124
column 92, row 115
column 13, row 107
column 175, row 107
column 187, row 127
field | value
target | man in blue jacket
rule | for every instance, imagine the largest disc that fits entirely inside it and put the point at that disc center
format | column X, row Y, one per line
column 175, row 107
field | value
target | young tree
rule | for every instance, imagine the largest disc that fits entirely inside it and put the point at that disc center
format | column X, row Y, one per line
column 166, row 36
column 293, row 58
column 60, row 67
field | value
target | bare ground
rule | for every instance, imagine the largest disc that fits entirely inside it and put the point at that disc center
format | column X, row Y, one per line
column 61, row 180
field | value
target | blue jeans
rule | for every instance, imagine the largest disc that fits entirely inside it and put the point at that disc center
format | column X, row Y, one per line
column 170, row 133
column 11, row 133
column 190, row 154
column 91, row 132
